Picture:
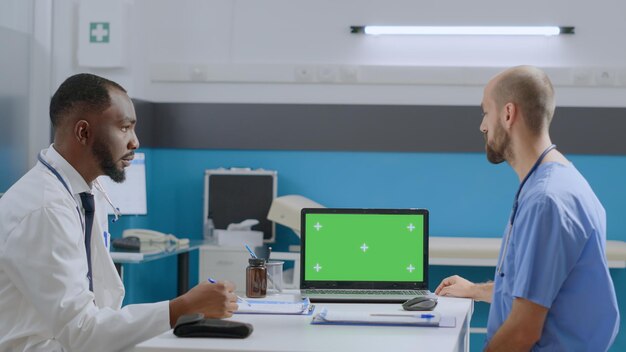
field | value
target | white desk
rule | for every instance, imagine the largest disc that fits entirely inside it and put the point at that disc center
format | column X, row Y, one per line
column 295, row 333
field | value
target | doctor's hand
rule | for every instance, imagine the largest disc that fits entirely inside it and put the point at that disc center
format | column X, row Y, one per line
column 213, row 300
column 456, row 286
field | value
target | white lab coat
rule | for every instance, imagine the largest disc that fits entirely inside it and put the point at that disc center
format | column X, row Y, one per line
column 45, row 302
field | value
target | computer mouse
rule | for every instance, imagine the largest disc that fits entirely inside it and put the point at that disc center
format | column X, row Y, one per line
column 420, row 303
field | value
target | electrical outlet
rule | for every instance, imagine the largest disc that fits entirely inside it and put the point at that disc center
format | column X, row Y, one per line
column 198, row 72
column 349, row 74
column 605, row 77
column 582, row 77
column 326, row 74
column 304, row 74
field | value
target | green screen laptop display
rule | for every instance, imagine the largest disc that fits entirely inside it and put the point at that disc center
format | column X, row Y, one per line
column 364, row 247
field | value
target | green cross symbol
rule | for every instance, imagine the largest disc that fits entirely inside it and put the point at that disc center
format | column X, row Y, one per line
column 99, row 32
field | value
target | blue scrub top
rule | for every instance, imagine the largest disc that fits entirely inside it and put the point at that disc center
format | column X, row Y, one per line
column 556, row 258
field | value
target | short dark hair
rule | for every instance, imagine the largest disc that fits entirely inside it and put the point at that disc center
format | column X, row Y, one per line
column 84, row 92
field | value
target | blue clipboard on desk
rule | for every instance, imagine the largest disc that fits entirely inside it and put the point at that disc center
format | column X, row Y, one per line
column 427, row 318
column 268, row 306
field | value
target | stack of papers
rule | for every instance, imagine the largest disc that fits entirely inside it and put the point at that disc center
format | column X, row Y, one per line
column 338, row 317
column 302, row 307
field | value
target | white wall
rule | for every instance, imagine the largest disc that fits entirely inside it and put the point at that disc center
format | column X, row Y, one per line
column 252, row 51
column 25, row 33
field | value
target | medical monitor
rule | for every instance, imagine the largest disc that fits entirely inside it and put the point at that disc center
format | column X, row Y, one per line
column 234, row 195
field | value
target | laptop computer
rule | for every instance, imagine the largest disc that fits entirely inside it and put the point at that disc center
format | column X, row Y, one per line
column 364, row 255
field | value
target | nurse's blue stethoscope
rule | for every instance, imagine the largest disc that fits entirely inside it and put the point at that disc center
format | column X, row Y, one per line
column 515, row 206
column 116, row 211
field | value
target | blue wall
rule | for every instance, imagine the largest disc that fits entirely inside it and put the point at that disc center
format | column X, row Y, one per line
column 466, row 196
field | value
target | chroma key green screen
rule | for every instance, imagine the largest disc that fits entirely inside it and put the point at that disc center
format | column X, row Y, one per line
column 364, row 247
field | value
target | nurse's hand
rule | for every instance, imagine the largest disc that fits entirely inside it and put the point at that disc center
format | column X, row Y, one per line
column 456, row 286
column 213, row 300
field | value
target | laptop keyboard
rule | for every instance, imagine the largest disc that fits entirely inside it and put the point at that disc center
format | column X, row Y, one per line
column 369, row 292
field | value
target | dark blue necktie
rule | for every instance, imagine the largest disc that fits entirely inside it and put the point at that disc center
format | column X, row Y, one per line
column 89, row 206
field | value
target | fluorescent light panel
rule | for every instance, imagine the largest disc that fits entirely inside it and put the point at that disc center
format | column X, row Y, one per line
column 463, row 30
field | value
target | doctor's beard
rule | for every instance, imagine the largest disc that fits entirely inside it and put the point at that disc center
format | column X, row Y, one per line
column 496, row 153
column 101, row 151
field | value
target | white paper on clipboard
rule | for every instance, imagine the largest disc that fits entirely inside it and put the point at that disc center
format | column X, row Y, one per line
column 265, row 306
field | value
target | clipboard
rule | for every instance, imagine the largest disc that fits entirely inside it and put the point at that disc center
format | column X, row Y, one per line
column 426, row 318
column 264, row 306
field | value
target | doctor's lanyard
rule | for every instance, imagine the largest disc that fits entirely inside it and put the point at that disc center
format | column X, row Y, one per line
column 515, row 206
column 58, row 176
column 116, row 211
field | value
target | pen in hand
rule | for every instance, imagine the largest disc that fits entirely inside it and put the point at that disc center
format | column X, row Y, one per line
column 239, row 299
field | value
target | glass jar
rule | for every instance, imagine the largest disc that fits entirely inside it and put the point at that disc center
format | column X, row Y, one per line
column 256, row 278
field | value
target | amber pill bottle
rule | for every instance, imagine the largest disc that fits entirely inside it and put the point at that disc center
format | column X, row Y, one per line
column 256, row 278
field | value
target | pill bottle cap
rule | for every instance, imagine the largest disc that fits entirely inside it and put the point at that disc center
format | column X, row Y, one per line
column 256, row 261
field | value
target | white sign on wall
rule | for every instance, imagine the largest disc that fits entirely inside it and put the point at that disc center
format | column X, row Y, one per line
column 102, row 33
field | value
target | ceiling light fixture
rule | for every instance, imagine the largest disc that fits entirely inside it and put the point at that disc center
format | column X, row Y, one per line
column 463, row 30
